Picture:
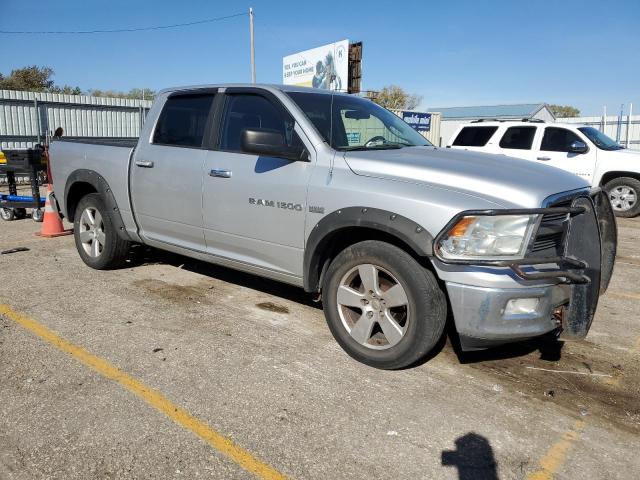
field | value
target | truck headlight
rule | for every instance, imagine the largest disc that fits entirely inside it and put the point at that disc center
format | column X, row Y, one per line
column 477, row 237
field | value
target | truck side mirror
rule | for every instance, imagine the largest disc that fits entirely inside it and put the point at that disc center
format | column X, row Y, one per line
column 263, row 141
column 578, row 147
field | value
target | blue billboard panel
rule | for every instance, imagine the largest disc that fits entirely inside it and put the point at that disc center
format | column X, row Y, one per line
column 419, row 121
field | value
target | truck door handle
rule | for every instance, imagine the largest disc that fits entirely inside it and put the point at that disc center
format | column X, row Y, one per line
column 220, row 173
column 144, row 164
column 545, row 159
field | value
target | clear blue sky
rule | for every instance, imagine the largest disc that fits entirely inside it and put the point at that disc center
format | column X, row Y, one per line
column 583, row 53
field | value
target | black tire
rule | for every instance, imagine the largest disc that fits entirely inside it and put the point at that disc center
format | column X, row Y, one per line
column 620, row 183
column 7, row 214
column 115, row 249
column 20, row 213
column 37, row 215
column 426, row 304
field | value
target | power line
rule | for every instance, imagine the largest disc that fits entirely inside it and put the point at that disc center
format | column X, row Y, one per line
column 124, row 30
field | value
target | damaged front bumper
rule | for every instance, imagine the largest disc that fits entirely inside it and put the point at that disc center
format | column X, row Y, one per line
column 540, row 293
column 483, row 316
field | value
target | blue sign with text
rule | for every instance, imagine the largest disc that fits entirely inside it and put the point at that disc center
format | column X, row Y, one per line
column 419, row 121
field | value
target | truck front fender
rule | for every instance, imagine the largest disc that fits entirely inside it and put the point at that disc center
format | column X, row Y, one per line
column 342, row 226
column 84, row 181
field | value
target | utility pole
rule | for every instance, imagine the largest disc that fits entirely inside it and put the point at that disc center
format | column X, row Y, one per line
column 619, row 130
column 253, row 52
column 629, row 124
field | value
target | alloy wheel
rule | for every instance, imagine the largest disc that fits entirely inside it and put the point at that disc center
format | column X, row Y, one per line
column 92, row 232
column 623, row 198
column 373, row 306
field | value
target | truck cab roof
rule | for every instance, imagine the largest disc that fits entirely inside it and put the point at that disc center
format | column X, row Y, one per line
column 264, row 86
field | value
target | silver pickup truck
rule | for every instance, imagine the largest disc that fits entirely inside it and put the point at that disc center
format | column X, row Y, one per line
column 334, row 194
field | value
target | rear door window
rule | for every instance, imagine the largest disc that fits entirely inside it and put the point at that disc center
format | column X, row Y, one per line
column 518, row 138
column 558, row 139
column 474, row 136
column 183, row 120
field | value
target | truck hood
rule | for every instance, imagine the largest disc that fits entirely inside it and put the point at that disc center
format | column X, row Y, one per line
column 505, row 181
column 628, row 156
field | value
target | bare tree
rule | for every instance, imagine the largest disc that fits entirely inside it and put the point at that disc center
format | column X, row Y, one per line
column 564, row 111
column 134, row 93
column 395, row 98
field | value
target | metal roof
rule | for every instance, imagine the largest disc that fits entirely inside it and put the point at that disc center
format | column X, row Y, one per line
column 523, row 110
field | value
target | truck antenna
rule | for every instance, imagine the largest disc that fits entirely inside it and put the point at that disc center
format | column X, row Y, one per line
column 253, row 51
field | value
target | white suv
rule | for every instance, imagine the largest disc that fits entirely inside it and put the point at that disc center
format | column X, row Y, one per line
column 582, row 150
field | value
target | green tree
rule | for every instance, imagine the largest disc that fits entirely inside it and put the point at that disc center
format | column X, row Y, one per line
column 34, row 78
column 564, row 111
column 66, row 90
column 395, row 98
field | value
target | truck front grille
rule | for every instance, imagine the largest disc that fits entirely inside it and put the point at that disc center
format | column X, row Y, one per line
column 549, row 240
column 548, row 244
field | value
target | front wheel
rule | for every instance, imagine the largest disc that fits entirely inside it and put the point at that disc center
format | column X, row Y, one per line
column 7, row 214
column 382, row 306
column 624, row 193
column 95, row 235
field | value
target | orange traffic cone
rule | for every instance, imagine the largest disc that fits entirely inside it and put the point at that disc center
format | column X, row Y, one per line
column 52, row 223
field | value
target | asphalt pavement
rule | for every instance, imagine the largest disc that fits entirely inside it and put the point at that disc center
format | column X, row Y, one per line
column 172, row 368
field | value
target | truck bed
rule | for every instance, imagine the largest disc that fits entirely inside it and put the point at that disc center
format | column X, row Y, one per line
column 128, row 142
column 108, row 157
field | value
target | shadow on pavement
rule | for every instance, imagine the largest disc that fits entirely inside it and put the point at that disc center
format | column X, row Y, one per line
column 141, row 255
column 549, row 347
column 473, row 457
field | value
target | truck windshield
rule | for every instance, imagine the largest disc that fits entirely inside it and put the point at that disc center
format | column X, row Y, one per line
column 352, row 123
column 600, row 139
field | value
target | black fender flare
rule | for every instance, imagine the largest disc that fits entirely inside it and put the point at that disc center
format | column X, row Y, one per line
column 403, row 228
column 101, row 186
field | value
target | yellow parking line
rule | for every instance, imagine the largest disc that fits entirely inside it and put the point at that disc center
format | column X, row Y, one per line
column 152, row 397
column 557, row 454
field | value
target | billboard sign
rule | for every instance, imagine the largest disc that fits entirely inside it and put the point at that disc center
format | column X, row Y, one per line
column 418, row 120
column 324, row 67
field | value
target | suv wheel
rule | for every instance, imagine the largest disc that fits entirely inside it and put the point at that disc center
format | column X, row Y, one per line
column 624, row 193
column 96, row 238
column 382, row 307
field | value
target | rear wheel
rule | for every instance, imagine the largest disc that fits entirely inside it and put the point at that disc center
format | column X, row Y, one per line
column 382, row 307
column 96, row 238
column 624, row 193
